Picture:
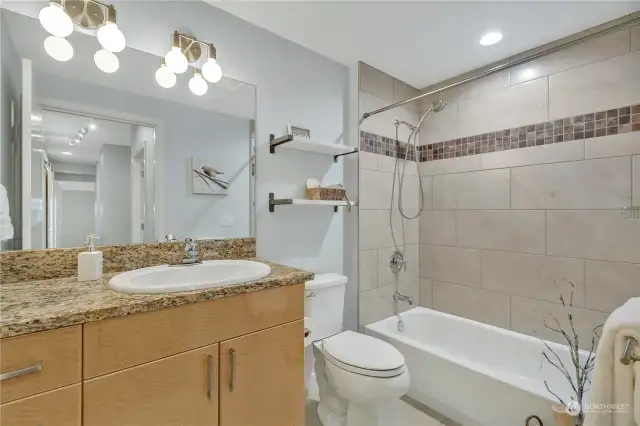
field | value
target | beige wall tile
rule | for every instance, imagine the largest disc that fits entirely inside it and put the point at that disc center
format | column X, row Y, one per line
column 441, row 126
column 635, row 37
column 542, row 154
column 520, row 231
column 375, row 232
column 375, row 189
column 485, row 306
column 409, row 288
column 426, row 293
column 534, row 276
column 526, row 318
column 376, row 82
column 386, row 277
column 588, row 184
column 636, row 180
column 585, row 53
column 603, row 85
column 451, row 165
column 368, row 271
column 427, row 191
column 410, row 191
column 382, row 124
column 611, row 284
column 438, row 227
column 386, row 164
column 505, row 108
column 593, row 234
column 612, row 146
column 451, row 264
column 487, row 189
column 490, row 83
column 368, row 160
column 376, row 304
column 402, row 91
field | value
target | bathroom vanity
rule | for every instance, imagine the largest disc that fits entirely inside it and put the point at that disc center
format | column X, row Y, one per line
column 75, row 353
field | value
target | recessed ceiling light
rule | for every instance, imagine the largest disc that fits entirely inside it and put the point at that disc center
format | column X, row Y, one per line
column 490, row 38
column 65, row 153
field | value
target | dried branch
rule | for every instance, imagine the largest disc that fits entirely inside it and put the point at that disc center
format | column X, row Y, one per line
column 546, row 385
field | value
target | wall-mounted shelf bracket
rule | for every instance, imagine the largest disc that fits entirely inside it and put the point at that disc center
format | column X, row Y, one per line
column 308, row 145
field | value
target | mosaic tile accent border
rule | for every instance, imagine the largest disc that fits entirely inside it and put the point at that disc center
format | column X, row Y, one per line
column 585, row 126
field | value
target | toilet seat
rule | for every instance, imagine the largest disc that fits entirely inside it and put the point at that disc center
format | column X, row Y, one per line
column 363, row 355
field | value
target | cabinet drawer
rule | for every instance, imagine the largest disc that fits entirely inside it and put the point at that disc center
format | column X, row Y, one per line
column 181, row 390
column 119, row 343
column 60, row 407
column 39, row 362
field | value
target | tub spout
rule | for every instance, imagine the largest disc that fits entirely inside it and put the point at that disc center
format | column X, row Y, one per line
column 402, row 298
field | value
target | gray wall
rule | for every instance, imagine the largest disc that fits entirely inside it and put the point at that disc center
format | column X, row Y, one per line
column 113, row 195
column 10, row 146
column 76, row 217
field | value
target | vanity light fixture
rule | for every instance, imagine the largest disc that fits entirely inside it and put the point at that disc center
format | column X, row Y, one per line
column 164, row 76
column 59, row 18
column 185, row 50
column 106, row 61
column 198, row 84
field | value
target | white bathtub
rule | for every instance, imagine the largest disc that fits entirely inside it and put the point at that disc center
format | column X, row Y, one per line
column 473, row 373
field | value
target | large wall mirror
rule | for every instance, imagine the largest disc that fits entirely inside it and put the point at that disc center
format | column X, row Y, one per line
column 115, row 154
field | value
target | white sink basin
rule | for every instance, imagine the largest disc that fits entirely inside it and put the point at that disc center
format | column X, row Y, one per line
column 169, row 279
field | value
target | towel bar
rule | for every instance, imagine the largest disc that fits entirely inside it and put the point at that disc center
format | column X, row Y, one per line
column 628, row 357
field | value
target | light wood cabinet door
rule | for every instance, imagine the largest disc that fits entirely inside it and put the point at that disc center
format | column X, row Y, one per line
column 181, row 390
column 60, row 407
column 262, row 378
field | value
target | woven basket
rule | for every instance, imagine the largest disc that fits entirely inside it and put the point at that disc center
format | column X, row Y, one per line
column 326, row 193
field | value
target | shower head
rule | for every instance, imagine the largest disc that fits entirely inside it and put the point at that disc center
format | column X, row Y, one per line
column 438, row 106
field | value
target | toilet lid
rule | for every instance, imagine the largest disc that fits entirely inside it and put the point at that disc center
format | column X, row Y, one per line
column 364, row 353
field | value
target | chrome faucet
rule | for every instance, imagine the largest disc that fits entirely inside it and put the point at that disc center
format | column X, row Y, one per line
column 191, row 248
column 402, row 298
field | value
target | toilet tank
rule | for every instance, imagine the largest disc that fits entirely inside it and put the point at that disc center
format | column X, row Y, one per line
column 324, row 304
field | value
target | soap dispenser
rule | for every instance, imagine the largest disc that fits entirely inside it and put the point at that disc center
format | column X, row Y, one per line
column 90, row 262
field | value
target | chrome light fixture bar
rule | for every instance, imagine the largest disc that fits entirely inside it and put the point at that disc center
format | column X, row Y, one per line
column 59, row 18
column 187, row 50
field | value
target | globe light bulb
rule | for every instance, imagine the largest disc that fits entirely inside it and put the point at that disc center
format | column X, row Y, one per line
column 106, row 61
column 165, row 77
column 55, row 20
column 211, row 71
column 111, row 38
column 58, row 48
column 198, row 85
column 176, row 61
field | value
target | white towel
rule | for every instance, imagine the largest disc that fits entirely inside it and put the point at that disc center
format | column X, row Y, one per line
column 6, row 228
column 613, row 382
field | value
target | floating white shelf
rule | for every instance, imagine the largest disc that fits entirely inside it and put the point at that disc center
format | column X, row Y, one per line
column 309, row 145
column 273, row 202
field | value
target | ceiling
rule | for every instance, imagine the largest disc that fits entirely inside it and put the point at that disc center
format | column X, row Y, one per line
column 58, row 128
column 422, row 43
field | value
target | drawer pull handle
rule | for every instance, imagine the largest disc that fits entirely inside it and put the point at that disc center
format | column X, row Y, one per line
column 232, row 384
column 36, row 368
column 212, row 377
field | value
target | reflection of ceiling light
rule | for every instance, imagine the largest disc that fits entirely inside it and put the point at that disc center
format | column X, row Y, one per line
column 528, row 73
column 92, row 126
column 164, row 76
column 490, row 38
column 211, row 70
column 106, row 61
column 58, row 48
column 55, row 20
column 198, row 85
column 35, row 117
column 109, row 35
column 65, row 153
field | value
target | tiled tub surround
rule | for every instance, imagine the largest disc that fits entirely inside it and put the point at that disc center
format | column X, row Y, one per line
column 32, row 265
column 505, row 229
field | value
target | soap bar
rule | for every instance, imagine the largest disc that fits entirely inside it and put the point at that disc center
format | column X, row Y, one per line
column 90, row 266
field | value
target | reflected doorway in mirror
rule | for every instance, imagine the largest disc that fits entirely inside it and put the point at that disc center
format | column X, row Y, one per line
column 207, row 178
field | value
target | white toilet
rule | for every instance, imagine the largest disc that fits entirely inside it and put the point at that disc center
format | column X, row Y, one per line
column 355, row 373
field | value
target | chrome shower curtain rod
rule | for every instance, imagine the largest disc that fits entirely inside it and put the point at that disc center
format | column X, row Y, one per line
column 608, row 28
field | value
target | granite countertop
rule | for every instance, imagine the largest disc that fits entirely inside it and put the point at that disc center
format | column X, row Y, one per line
column 31, row 306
